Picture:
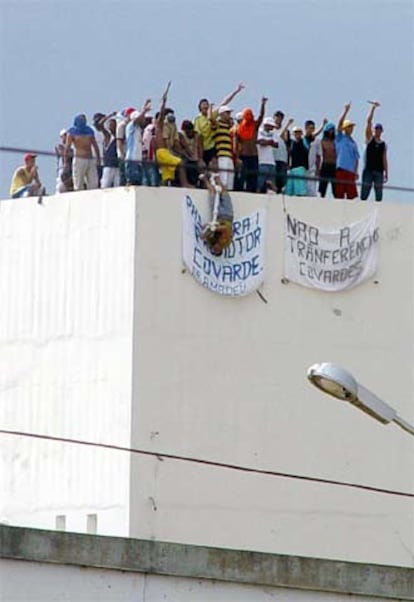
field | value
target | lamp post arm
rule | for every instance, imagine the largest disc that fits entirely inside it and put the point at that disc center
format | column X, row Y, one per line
column 374, row 406
column 404, row 425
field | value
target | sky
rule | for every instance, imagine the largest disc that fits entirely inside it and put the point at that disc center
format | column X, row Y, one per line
column 309, row 57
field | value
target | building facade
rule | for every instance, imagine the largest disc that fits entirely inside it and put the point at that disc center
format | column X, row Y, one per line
column 106, row 337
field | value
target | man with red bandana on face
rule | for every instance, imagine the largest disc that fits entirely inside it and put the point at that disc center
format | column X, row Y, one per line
column 246, row 147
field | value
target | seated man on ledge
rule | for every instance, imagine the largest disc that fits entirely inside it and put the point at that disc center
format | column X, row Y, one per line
column 218, row 234
column 25, row 181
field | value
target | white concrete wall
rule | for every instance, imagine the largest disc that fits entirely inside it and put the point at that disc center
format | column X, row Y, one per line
column 89, row 276
column 65, row 357
column 36, row 582
column 224, row 379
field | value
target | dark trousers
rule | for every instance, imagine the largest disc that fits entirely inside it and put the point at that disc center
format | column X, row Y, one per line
column 369, row 178
column 122, row 177
column 250, row 166
column 326, row 175
column 281, row 176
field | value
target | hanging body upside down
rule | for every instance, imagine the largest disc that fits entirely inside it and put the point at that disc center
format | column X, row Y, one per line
column 218, row 234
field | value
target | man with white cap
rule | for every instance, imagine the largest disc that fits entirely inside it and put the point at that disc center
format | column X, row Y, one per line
column 221, row 129
column 347, row 158
column 298, row 165
column 133, row 152
column 376, row 163
column 266, row 142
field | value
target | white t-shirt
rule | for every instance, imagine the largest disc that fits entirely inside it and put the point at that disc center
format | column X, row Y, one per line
column 100, row 141
column 120, row 136
column 265, row 153
column 315, row 150
column 280, row 152
column 133, row 133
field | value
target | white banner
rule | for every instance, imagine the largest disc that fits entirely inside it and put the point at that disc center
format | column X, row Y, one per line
column 240, row 269
column 331, row 260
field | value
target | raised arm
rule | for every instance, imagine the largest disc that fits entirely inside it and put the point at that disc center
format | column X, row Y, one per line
column 104, row 118
column 368, row 126
column 164, row 97
column 34, row 175
column 344, row 113
column 106, row 134
column 227, row 99
column 261, row 112
column 285, row 129
column 140, row 118
column 320, row 128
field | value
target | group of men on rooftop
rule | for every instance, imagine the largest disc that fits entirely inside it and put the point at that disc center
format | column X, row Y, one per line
column 252, row 154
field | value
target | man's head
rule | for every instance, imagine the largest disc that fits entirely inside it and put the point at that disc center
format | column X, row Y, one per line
column 169, row 115
column 248, row 115
column 225, row 114
column 297, row 132
column 188, row 128
column 239, row 117
column 348, row 127
column 63, row 134
column 112, row 126
column 126, row 113
column 279, row 117
column 329, row 130
column 268, row 124
column 80, row 120
column 29, row 160
column 97, row 121
column 203, row 106
column 309, row 127
column 378, row 129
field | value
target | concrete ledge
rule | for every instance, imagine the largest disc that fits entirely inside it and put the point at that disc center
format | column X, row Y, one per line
column 180, row 560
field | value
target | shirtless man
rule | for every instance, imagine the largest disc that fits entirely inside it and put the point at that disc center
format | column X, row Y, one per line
column 84, row 166
column 168, row 162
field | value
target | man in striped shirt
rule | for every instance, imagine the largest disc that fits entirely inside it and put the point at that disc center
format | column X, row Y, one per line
column 222, row 134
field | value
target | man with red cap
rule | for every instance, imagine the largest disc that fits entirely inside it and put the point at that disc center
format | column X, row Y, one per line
column 25, row 180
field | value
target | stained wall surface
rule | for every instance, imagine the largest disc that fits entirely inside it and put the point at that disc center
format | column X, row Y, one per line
column 225, row 380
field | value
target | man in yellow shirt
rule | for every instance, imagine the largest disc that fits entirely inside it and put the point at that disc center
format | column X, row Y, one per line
column 25, row 181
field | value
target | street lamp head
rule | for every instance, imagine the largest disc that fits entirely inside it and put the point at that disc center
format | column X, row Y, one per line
column 339, row 383
column 334, row 380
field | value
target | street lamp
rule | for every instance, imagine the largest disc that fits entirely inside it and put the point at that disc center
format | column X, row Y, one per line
column 339, row 383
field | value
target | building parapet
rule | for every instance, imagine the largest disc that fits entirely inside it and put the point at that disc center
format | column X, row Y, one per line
column 182, row 560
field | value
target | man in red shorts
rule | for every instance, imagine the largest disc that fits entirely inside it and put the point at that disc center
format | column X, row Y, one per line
column 347, row 158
